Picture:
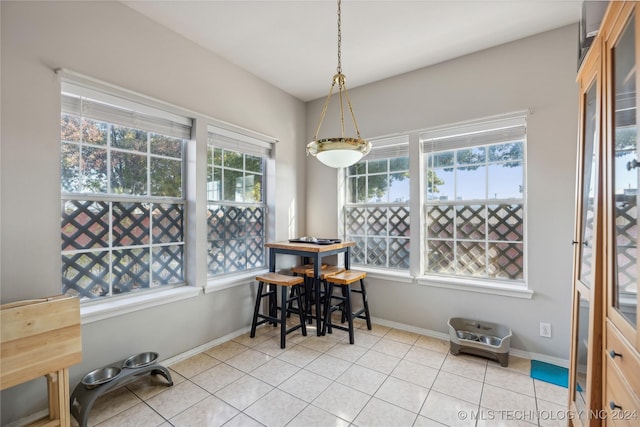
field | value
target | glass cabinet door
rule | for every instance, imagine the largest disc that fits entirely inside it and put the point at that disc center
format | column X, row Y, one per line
column 625, row 165
column 589, row 180
column 585, row 373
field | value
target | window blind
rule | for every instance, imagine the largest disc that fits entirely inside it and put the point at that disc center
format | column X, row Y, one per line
column 97, row 105
column 386, row 148
column 230, row 140
column 474, row 134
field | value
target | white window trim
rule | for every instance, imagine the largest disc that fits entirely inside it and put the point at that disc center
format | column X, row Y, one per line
column 508, row 289
column 215, row 284
column 386, row 274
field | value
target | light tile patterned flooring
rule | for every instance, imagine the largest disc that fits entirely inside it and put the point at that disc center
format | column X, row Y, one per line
column 389, row 377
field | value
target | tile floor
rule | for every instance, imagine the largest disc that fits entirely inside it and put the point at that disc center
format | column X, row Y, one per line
column 389, row 377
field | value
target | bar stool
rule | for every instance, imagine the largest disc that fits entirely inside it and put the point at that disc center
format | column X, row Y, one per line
column 344, row 280
column 273, row 280
column 301, row 270
column 316, row 294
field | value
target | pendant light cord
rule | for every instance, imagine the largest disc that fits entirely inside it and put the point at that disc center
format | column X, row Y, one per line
column 339, row 69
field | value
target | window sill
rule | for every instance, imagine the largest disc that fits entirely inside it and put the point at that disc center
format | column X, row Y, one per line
column 242, row 279
column 383, row 274
column 93, row 312
column 480, row 286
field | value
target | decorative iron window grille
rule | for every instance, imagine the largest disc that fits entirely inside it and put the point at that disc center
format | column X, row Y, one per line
column 376, row 212
column 236, row 205
column 122, row 198
column 475, row 203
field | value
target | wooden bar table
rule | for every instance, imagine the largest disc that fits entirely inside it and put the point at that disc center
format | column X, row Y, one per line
column 314, row 252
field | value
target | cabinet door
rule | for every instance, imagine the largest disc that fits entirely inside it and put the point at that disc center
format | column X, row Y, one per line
column 585, row 377
column 623, row 161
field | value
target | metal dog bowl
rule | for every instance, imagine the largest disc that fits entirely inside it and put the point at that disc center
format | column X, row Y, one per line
column 100, row 376
column 488, row 339
column 466, row 335
column 141, row 359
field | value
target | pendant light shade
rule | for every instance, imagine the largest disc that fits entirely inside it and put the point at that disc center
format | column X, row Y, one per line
column 339, row 152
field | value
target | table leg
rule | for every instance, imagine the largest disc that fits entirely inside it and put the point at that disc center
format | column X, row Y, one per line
column 317, row 268
column 272, row 260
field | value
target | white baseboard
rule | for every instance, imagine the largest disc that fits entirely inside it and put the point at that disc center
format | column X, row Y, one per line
column 514, row 351
column 199, row 349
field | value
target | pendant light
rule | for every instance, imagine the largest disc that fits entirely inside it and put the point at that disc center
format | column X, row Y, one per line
column 340, row 151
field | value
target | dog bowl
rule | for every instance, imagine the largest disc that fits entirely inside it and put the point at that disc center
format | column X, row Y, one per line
column 139, row 360
column 100, row 376
column 488, row 339
column 466, row 335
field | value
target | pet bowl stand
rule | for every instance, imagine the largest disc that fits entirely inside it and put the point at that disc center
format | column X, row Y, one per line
column 477, row 327
column 83, row 397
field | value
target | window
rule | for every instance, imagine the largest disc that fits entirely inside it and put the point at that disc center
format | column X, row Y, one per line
column 376, row 212
column 475, row 200
column 122, row 196
column 236, row 202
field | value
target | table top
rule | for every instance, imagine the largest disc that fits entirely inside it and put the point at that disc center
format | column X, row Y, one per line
column 308, row 247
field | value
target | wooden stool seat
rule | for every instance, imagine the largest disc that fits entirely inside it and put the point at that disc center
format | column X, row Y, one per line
column 344, row 280
column 302, row 269
column 279, row 279
column 325, row 272
column 347, row 277
column 285, row 282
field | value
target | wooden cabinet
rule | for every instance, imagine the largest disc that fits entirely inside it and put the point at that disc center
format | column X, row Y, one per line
column 620, row 43
column 605, row 351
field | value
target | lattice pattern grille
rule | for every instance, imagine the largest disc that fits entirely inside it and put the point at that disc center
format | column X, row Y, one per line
column 470, row 222
column 86, row 274
column 381, row 234
column 236, row 238
column 505, row 261
column 167, row 265
column 130, row 224
column 130, row 270
column 127, row 260
column 626, row 247
column 85, row 224
column 440, row 222
column 506, row 222
column 485, row 242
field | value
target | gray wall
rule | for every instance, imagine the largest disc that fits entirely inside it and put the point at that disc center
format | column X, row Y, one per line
column 111, row 42
column 538, row 72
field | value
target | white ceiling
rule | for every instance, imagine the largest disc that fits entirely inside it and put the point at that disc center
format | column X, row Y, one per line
column 293, row 44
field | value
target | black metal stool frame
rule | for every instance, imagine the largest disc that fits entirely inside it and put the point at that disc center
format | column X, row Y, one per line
column 272, row 317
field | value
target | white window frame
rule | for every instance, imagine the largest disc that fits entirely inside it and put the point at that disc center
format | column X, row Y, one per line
column 194, row 189
column 117, row 106
column 233, row 140
column 466, row 135
column 416, row 275
column 382, row 148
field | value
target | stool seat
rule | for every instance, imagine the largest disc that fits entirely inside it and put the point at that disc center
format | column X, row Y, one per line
column 302, row 269
column 325, row 272
column 279, row 279
column 346, row 277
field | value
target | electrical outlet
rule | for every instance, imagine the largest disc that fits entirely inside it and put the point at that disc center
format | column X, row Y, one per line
column 545, row 330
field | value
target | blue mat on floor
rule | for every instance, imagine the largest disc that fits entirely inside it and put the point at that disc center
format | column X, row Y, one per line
column 550, row 373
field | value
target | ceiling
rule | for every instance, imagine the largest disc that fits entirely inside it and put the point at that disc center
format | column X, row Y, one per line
column 293, row 44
